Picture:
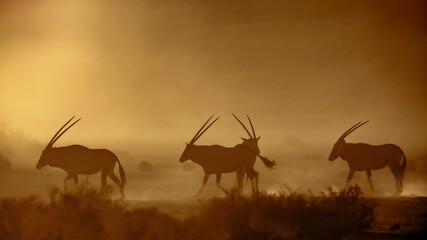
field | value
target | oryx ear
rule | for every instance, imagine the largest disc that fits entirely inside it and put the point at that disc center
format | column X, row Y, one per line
column 244, row 139
column 258, row 138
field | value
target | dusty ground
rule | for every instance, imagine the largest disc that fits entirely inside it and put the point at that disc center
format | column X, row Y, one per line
column 173, row 192
column 395, row 218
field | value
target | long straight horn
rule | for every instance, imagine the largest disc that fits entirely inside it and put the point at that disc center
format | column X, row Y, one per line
column 348, row 130
column 205, row 129
column 253, row 130
column 358, row 125
column 56, row 139
column 195, row 136
column 242, row 125
column 54, row 136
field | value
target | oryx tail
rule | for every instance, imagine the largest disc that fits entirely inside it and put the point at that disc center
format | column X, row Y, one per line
column 122, row 175
column 403, row 165
column 268, row 163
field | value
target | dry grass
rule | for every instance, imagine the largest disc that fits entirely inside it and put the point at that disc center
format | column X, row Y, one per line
column 86, row 213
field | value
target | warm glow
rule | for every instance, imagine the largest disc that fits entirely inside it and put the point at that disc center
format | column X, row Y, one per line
column 145, row 75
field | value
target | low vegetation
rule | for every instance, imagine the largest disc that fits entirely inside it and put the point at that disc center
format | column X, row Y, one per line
column 86, row 213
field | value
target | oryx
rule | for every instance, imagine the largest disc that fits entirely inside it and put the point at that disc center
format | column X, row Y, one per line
column 216, row 159
column 252, row 143
column 77, row 159
column 365, row 157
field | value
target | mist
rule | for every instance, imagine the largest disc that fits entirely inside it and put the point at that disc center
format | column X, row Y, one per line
column 145, row 75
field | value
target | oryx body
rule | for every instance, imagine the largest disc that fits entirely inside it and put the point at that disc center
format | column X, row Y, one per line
column 216, row 159
column 365, row 157
column 362, row 156
column 77, row 159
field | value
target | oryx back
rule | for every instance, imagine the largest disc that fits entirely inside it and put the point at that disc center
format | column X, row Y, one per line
column 77, row 159
column 362, row 156
column 219, row 159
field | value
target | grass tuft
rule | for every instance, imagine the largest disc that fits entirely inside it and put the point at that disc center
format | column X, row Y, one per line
column 87, row 213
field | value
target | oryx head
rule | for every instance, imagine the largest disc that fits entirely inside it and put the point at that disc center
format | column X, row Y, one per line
column 186, row 154
column 43, row 158
column 336, row 150
column 252, row 141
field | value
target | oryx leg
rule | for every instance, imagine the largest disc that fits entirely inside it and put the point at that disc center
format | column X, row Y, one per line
column 116, row 181
column 401, row 182
column 68, row 177
column 246, row 181
column 242, row 179
column 256, row 180
column 368, row 174
column 218, row 182
column 399, row 187
column 253, row 176
column 76, row 179
column 240, row 175
column 104, row 179
column 253, row 185
column 395, row 169
column 350, row 176
column 205, row 180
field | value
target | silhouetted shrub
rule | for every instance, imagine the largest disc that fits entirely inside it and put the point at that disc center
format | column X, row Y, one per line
column 86, row 213
column 285, row 215
column 145, row 166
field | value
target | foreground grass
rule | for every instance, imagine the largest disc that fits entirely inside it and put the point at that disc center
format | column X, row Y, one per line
column 86, row 213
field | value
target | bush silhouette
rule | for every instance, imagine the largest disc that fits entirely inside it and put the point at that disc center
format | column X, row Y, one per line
column 86, row 213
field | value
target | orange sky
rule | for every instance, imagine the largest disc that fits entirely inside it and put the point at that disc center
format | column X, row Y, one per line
column 145, row 72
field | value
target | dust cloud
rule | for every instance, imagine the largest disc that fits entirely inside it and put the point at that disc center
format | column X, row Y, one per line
column 145, row 75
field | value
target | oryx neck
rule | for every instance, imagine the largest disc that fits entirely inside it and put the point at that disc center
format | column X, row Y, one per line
column 343, row 151
column 51, row 159
column 247, row 147
column 192, row 152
